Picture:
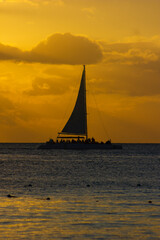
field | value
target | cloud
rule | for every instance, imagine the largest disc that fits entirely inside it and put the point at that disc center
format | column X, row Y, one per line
column 34, row 2
column 44, row 2
column 10, row 53
column 90, row 12
column 129, row 68
column 7, row 111
column 46, row 86
column 57, row 49
column 126, row 80
column 67, row 49
column 131, row 53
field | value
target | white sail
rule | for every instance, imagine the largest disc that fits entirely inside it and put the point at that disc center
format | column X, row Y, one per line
column 77, row 123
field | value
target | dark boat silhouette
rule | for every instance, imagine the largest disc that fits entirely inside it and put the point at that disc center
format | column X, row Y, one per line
column 74, row 135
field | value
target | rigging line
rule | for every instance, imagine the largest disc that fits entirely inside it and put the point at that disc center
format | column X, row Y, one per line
column 100, row 116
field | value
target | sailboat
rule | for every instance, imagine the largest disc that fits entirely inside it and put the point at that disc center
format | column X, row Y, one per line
column 74, row 135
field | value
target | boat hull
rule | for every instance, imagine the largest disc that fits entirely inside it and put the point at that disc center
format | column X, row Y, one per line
column 81, row 146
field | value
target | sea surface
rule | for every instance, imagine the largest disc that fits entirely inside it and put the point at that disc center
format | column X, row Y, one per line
column 74, row 194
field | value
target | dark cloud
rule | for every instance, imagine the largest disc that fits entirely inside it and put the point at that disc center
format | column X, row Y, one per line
column 57, row 49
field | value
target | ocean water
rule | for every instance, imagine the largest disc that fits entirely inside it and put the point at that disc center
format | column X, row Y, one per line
column 64, row 194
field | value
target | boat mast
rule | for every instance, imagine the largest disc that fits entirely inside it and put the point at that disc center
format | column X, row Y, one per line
column 86, row 130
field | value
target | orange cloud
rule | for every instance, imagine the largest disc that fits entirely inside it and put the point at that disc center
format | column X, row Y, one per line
column 6, row 111
column 57, row 49
column 128, row 68
column 34, row 2
column 46, row 86
column 124, row 79
column 9, row 53
column 131, row 53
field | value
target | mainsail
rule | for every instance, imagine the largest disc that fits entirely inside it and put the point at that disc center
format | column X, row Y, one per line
column 77, row 123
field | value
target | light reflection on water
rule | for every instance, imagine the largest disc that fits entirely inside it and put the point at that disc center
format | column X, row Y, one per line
column 93, row 195
column 85, row 217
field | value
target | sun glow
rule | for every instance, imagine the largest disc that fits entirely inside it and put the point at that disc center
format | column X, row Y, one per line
column 43, row 46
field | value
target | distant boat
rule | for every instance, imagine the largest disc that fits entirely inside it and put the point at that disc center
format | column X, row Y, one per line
column 74, row 135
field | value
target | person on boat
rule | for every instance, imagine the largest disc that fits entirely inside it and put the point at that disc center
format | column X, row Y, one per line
column 88, row 140
column 51, row 141
column 108, row 142
column 92, row 140
column 78, row 140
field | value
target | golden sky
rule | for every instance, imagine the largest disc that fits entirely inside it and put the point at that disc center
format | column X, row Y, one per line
column 43, row 45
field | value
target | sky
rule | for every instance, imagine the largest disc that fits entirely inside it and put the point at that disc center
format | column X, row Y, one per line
column 43, row 46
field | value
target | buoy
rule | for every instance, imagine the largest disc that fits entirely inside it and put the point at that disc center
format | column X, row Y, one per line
column 11, row 196
column 138, row 185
